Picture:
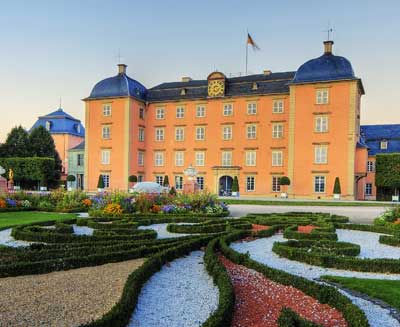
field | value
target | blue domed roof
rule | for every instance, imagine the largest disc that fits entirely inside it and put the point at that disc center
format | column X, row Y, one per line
column 328, row 67
column 120, row 85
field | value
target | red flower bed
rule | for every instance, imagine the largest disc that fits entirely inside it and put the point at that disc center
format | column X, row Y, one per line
column 306, row 229
column 256, row 228
column 259, row 301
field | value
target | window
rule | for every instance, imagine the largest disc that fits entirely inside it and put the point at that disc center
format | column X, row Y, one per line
column 251, row 108
column 384, row 145
column 227, row 132
column 321, row 154
column 277, row 106
column 228, row 109
column 251, row 158
column 141, row 134
column 106, row 110
column 159, row 134
column 180, row 112
column 106, row 132
column 179, row 182
column 277, row 158
column 106, row 180
column 277, row 131
column 199, row 156
column 179, row 134
column 200, row 182
column 200, row 111
column 251, row 132
column 250, row 183
column 226, row 158
column 48, row 125
column 322, row 96
column 141, row 113
column 368, row 189
column 159, row 180
column 78, row 128
column 321, row 124
column 179, row 158
column 140, row 178
column 140, row 158
column 79, row 159
column 276, row 184
column 319, row 184
column 105, row 157
column 200, row 133
column 160, row 113
column 370, row 166
column 158, row 158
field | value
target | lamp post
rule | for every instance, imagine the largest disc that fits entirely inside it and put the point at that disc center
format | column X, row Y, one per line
column 190, row 185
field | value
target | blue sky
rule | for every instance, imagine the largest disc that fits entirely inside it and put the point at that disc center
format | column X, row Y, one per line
column 62, row 48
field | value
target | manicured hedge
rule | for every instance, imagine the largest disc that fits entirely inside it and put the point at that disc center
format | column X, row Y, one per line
column 292, row 233
column 324, row 247
column 366, row 228
column 389, row 240
column 208, row 227
column 289, row 318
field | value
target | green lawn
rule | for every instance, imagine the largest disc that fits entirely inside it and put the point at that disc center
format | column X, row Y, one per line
column 26, row 217
column 385, row 290
column 307, row 203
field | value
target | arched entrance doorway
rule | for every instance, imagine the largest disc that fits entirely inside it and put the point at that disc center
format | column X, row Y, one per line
column 225, row 186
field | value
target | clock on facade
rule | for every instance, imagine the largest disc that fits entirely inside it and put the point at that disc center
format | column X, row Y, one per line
column 216, row 88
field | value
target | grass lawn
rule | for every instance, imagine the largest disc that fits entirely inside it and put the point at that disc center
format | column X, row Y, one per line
column 307, row 203
column 385, row 290
column 26, row 217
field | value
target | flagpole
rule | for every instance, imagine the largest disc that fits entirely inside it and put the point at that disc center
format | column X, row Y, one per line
column 247, row 48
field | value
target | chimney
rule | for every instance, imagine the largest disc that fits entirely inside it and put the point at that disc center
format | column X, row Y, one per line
column 328, row 47
column 122, row 68
column 267, row 72
column 186, row 79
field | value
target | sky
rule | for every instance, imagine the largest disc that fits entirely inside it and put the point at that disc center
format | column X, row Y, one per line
column 53, row 49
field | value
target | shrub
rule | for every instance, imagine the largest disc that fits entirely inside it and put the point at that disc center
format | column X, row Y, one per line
column 132, row 179
column 71, row 178
column 114, row 210
column 235, row 184
column 284, row 181
column 166, row 181
column 172, row 191
column 336, row 188
column 100, row 182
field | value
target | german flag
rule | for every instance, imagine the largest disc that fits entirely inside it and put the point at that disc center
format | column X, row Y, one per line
column 252, row 43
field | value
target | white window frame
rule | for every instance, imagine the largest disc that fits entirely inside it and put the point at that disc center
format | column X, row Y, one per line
column 140, row 178
column 251, row 131
column 158, row 158
column 141, row 134
column 159, row 179
column 178, row 182
column 370, row 166
column 227, row 132
column 276, row 185
column 106, row 180
column 322, row 96
column 48, row 125
column 106, row 132
column 200, row 111
column 277, row 158
column 180, row 112
column 141, row 113
column 227, row 109
column 200, row 182
column 200, row 158
column 277, row 130
column 383, row 145
column 105, row 157
column 226, row 158
column 368, row 189
column 200, row 133
column 80, row 159
column 250, row 183
column 179, row 158
column 278, row 106
column 252, row 108
column 251, row 158
column 107, row 109
column 160, row 113
column 319, row 184
column 321, row 124
column 140, row 158
column 321, row 154
column 179, row 134
column 160, row 134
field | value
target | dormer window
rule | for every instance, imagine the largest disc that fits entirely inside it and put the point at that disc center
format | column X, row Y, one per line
column 78, row 128
column 183, row 92
column 384, row 145
column 255, row 86
column 48, row 125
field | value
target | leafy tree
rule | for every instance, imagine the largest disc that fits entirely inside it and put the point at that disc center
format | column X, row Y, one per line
column 336, row 188
column 388, row 171
column 100, row 183
column 235, row 184
column 166, row 181
column 17, row 144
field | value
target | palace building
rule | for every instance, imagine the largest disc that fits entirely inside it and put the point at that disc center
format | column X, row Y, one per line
column 303, row 124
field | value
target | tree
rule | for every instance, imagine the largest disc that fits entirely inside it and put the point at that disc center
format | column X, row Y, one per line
column 166, row 181
column 388, row 171
column 336, row 187
column 17, row 144
column 132, row 179
column 100, row 183
column 235, row 184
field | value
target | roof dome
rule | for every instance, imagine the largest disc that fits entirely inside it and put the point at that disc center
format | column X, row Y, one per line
column 328, row 67
column 120, row 85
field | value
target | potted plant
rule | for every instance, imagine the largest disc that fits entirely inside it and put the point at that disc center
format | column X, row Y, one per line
column 284, row 181
column 166, row 181
column 100, row 184
column 172, row 191
column 235, row 186
column 337, row 189
column 70, row 179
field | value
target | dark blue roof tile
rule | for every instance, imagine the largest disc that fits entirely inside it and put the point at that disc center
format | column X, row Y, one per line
column 374, row 134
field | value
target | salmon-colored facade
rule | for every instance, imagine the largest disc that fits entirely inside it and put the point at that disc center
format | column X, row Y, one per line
column 304, row 125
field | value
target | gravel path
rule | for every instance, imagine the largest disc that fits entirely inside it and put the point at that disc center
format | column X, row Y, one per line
column 64, row 298
column 162, row 232
column 7, row 240
column 369, row 243
column 82, row 230
column 181, row 294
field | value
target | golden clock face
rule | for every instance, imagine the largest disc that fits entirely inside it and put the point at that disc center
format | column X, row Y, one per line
column 216, row 88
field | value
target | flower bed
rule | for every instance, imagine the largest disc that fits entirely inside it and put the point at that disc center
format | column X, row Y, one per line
column 209, row 227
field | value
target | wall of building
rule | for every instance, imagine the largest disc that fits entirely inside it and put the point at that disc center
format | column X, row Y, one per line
column 63, row 143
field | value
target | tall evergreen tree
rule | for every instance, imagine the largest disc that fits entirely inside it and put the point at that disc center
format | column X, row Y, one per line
column 17, row 143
